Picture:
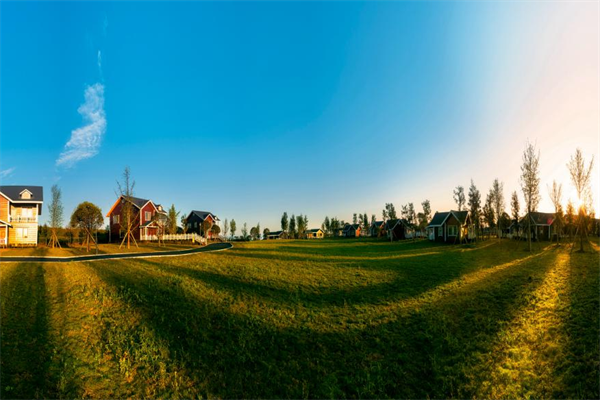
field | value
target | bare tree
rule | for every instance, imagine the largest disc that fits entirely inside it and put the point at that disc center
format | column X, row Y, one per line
column 556, row 197
column 56, row 215
column 515, row 207
column 127, row 210
column 581, row 178
column 530, row 182
column 459, row 197
column 475, row 206
column 225, row 228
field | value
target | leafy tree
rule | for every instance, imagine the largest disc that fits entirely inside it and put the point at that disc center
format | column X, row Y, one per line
column 570, row 218
column 266, row 233
column 292, row 227
column 56, row 214
column 129, row 219
column 555, row 193
column 426, row 210
column 245, row 231
column 216, row 230
column 284, row 222
column 300, row 226
column 233, row 227
column 488, row 211
column 254, row 233
column 327, row 225
column 411, row 217
column 184, row 223
column 206, row 225
column 87, row 217
column 475, row 206
column 459, row 197
column 172, row 224
column 498, row 201
column 514, row 206
column 530, row 183
column 389, row 212
column 355, row 219
column 258, row 231
column 581, row 176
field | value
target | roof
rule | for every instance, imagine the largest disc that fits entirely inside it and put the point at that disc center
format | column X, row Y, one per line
column 314, row 230
column 203, row 214
column 14, row 193
column 540, row 218
column 391, row 223
column 377, row 224
column 276, row 233
column 440, row 217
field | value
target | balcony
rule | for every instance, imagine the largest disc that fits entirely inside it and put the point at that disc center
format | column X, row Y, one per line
column 20, row 218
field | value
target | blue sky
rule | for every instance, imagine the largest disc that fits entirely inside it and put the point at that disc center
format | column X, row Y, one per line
column 252, row 109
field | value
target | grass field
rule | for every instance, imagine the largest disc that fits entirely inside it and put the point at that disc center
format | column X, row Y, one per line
column 307, row 319
column 78, row 250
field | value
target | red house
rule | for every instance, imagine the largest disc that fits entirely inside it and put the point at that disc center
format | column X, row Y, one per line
column 143, row 212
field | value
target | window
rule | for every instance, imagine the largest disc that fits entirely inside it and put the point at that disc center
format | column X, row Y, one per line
column 441, row 231
column 147, row 215
column 116, row 219
column 22, row 233
column 452, row 230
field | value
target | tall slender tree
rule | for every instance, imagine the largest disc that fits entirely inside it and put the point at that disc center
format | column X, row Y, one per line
column 129, row 218
column 498, row 203
column 474, row 204
column 184, row 223
column 285, row 222
column 56, row 214
column 515, row 208
column 172, row 220
column 581, row 176
column 459, row 197
column 530, row 183
column 292, row 228
column 555, row 193
column 225, row 228
column 389, row 212
column 232, row 227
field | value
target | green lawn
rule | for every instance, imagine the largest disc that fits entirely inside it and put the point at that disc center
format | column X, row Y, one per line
column 307, row 319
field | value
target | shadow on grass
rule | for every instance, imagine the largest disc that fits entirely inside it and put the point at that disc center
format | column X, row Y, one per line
column 425, row 354
column 25, row 346
column 412, row 277
column 581, row 372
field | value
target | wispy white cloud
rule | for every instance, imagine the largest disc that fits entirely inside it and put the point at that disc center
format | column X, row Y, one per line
column 100, row 64
column 85, row 141
column 5, row 173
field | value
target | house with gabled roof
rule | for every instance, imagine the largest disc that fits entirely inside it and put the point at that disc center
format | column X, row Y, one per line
column 351, row 230
column 276, row 235
column 451, row 227
column 143, row 216
column 315, row 233
column 542, row 225
column 377, row 229
column 398, row 229
column 20, row 207
column 195, row 220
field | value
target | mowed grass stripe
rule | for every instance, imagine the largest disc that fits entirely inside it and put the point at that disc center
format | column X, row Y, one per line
column 531, row 348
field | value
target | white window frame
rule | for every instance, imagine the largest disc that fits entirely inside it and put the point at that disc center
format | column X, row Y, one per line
column 452, row 230
column 116, row 218
column 147, row 215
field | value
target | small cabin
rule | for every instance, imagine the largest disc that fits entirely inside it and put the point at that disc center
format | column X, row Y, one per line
column 276, row 235
column 315, row 234
column 398, row 229
column 451, row 227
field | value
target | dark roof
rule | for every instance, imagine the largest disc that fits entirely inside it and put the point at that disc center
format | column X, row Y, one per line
column 203, row 214
column 13, row 192
column 461, row 216
column 540, row 218
column 355, row 226
column 276, row 233
column 378, row 223
column 136, row 201
column 391, row 223
column 438, row 218
column 314, row 230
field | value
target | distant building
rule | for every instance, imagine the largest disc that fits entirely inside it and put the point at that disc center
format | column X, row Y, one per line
column 195, row 220
column 451, row 227
column 542, row 226
column 377, row 229
column 143, row 221
column 398, row 229
column 20, row 207
column 315, row 234
column 276, row 235
column 351, row 230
